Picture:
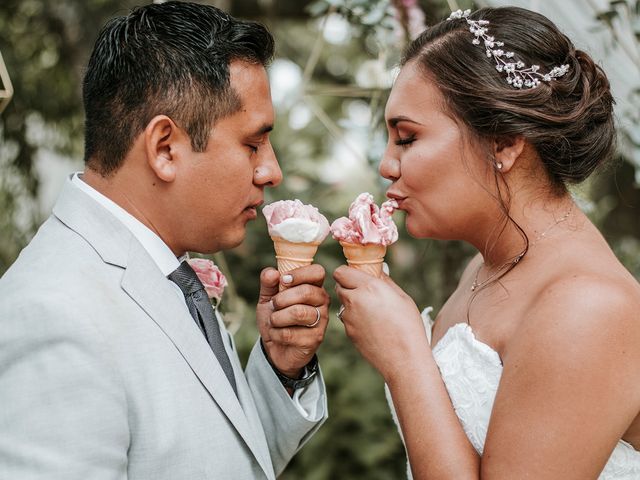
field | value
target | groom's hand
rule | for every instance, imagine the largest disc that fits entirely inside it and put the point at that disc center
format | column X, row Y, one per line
column 287, row 319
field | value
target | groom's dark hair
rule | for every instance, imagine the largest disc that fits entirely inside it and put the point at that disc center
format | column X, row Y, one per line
column 170, row 58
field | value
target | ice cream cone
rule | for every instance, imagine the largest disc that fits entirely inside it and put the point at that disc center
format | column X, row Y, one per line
column 291, row 255
column 367, row 257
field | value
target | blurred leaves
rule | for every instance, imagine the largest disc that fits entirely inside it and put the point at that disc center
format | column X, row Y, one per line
column 45, row 46
column 361, row 13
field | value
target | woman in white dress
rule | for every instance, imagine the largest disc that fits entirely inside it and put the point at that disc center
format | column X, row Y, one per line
column 535, row 366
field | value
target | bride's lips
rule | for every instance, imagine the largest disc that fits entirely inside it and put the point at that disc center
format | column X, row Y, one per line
column 397, row 197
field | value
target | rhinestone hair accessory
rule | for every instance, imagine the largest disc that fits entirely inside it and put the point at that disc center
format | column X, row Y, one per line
column 518, row 74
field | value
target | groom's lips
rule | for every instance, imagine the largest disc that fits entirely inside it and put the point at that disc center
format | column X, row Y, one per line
column 252, row 209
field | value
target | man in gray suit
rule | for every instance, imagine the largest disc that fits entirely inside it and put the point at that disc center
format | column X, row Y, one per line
column 111, row 365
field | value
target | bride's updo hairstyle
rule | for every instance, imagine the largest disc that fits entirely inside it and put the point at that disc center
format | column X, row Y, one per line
column 568, row 120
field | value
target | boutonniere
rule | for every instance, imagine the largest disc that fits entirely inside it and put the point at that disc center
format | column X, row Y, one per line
column 211, row 277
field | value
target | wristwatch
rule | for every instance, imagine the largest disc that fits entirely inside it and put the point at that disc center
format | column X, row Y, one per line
column 309, row 373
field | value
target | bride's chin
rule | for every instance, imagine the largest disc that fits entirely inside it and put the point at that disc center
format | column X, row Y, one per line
column 415, row 229
column 421, row 226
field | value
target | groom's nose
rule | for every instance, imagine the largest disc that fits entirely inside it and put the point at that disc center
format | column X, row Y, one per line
column 268, row 173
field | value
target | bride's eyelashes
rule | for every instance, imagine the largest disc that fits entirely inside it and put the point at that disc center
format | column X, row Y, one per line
column 406, row 141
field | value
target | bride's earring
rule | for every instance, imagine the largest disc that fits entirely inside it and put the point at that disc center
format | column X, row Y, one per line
column 499, row 165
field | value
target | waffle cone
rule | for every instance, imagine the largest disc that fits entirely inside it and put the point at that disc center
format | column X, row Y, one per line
column 367, row 257
column 291, row 255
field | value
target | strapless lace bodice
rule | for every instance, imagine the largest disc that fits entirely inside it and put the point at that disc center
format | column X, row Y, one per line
column 471, row 371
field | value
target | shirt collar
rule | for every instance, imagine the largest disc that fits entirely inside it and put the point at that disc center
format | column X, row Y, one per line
column 151, row 242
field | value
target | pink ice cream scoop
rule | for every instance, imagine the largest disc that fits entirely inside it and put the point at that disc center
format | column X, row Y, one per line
column 367, row 224
column 296, row 222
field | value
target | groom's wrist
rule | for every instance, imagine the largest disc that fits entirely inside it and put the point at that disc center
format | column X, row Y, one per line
column 291, row 380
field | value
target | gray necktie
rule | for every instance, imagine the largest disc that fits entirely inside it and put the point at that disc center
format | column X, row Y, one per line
column 202, row 312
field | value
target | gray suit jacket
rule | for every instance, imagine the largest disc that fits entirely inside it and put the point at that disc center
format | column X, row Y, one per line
column 104, row 375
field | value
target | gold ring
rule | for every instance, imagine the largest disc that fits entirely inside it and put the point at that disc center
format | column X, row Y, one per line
column 317, row 319
column 340, row 312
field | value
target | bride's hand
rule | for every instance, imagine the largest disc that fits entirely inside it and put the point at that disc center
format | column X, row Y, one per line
column 381, row 320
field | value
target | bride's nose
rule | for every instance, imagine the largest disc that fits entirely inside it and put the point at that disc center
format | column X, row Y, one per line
column 389, row 167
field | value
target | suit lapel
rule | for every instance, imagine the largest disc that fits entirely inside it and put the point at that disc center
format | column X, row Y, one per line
column 244, row 392
column 154, row 294
column 145, row 284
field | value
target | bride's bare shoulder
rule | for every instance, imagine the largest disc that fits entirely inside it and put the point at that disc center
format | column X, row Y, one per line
column 584, row 276
column 577, row 350
column 583, row 307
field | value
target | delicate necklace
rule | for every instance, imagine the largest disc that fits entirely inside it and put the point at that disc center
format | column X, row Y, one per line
column 476, row 285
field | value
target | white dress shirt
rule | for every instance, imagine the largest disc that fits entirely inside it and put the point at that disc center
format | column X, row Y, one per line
column 167, row 263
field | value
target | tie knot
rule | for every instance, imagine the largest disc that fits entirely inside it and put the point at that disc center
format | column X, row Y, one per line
column 185, row 277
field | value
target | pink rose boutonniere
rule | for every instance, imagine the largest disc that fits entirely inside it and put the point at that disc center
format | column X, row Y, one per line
column 210, row 276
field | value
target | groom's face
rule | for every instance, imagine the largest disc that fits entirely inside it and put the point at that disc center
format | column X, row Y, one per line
column 224, row 185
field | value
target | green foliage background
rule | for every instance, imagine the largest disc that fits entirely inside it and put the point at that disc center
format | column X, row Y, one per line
column 45, row 45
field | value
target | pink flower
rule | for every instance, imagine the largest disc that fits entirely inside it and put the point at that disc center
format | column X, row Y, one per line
column 210, row 276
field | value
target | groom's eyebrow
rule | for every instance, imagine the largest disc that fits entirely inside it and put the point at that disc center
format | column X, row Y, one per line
column 266, row 128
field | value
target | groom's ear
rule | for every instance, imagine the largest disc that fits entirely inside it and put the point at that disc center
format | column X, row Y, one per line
column 160, row 137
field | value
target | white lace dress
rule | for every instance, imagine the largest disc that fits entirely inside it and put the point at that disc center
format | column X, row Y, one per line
column 471, row 371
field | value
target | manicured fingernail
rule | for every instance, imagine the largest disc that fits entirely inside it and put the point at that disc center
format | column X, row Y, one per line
column 287, row 278
column 385, row 268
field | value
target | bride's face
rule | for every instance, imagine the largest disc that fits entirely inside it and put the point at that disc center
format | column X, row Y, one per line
column 439, row 178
